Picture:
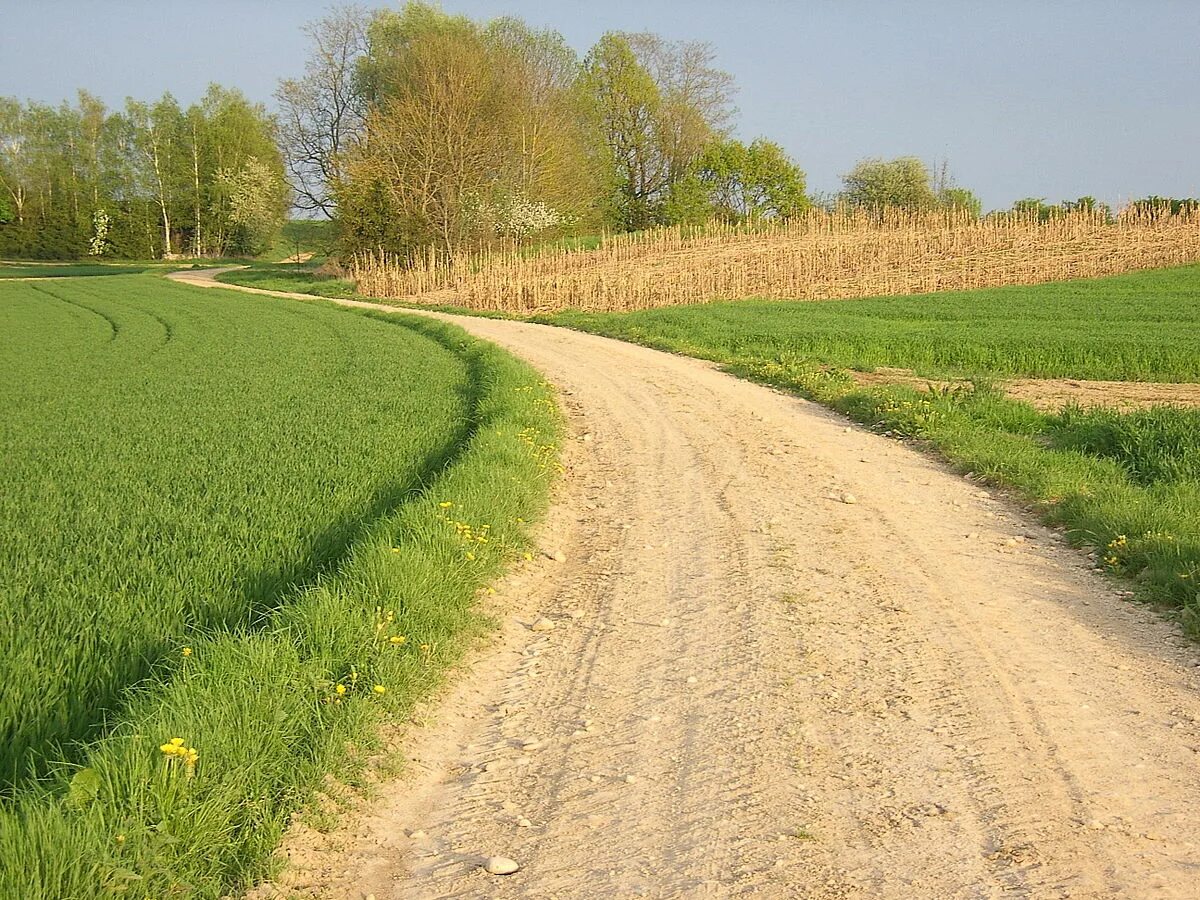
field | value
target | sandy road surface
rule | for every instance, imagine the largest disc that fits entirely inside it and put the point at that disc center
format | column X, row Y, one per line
column 756, row 688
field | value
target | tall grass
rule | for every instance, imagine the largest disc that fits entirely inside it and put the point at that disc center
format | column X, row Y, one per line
column 818, row 256
column 272, row 682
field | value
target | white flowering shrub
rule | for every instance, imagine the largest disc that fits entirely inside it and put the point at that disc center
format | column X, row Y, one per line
column 98, row 245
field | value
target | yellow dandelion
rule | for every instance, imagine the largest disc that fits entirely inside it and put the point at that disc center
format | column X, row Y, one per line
column 379, row 689
column 397, row 639
column 186, row 651
column 445, row 504
column 340, row 689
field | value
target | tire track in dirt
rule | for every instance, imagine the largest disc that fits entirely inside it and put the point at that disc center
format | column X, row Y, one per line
column 756, row 688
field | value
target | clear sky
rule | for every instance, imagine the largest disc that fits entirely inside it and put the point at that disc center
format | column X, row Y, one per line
column 1045, row 98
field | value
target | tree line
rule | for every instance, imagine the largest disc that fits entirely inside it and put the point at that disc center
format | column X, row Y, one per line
column 412, row 128
column 146, row 181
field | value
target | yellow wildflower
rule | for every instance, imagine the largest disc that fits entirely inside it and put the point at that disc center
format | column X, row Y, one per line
column 186, row 651
column 379, row 689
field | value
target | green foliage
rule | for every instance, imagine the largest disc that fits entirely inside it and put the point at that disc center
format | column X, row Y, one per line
column 526, row 143
column 1037, row 207
column 1127, row 484
column 625, row 104
column 962, row 200
column 237, row 579
column 1158, row 207
column 1154, row 445
column 902, row 183
column 738, row 183
column 163, row 179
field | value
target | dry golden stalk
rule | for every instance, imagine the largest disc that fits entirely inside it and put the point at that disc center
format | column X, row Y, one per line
column 822, row 255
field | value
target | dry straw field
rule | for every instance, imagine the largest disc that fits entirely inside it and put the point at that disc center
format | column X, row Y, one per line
column 822, row 255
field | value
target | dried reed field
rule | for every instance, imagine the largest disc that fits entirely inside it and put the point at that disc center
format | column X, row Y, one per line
column 822, row 255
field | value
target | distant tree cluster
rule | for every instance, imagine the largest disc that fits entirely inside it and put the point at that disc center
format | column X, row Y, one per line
column 147, row 181
column 1038, row 208
column 905, row 183
column 415, row 127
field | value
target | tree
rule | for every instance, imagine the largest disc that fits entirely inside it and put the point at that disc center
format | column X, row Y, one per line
column 626, row 106
column 546, row 119
column 960, row 200
column 1156, row 207
column 155, row 135
column 324, row 112
column 473, row 132
column 15, row 175
column 1089, row 204
column 256, row 200
column 736, row 182
column 657, row 105
column 1036, row 208
column 697, row 97
column 877, row 184
column 435, row 145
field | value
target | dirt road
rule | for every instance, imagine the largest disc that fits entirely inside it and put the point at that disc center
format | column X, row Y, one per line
column 790, row 658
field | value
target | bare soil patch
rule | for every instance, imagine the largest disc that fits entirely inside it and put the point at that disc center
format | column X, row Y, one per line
column 1050, row 394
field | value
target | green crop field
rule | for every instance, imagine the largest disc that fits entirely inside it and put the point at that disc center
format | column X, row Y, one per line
column 65, row 270
column 231, row 522
column 1128, row 484
column 1138, row 327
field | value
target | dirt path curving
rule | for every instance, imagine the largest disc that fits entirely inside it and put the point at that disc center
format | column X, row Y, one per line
column 790, row 658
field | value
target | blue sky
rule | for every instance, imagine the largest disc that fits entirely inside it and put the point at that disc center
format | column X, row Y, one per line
column 1056, row 98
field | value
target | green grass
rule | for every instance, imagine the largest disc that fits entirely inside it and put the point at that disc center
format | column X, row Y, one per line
column 19, row 270
column 261, row 482
column 1126, row 484
column 1137, row 327
column 291, row 279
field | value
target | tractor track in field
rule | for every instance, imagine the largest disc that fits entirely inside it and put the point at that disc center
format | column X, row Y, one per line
column 790, row 658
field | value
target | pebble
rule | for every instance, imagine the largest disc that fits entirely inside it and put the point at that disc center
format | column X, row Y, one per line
column 559, row 556
column 524, row 823
column 531, row 745
column 417, row 835
column 849, row 498
column 630, row 779
column 500, row 865
column 542, row 624
column 691, row 679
